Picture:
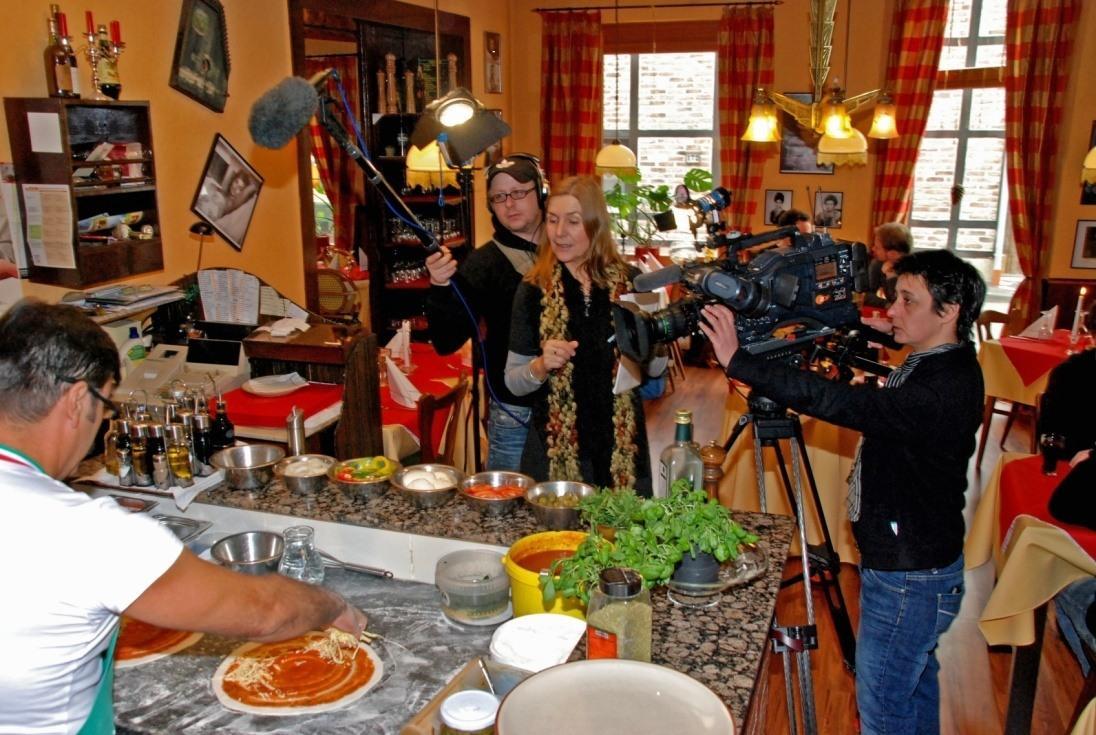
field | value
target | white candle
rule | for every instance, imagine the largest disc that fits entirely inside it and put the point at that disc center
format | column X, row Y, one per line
column 1077, row 315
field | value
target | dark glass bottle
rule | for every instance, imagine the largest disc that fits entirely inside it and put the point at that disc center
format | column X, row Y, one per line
column 58, row 78
column 203, row 443
column 224, row 433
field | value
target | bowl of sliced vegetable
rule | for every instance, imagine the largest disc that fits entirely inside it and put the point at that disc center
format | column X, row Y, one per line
column 366, row 476
column 495, row 493
column 555, row 504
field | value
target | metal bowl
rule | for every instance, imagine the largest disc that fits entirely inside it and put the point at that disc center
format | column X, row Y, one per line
column 495, row 478
column 251, row 552
column 299, row 483
column 427, row 496
column 367, row 488
column 557, row 518
column 248, row 467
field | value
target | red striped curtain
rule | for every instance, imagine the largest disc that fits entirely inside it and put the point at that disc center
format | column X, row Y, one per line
column 337, row 171
column 745, row 53
column 1038, row 45
column 917, row 35
column 570, row 112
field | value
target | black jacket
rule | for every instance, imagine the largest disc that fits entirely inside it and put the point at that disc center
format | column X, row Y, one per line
column 488, row 281
column 918, row 440
column 1069, row 403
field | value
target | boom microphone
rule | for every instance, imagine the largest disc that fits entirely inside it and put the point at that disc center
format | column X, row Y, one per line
column 282, row 112
column 657, row 279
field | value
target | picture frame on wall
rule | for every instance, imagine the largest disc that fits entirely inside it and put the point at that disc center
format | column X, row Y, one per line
column 777, row 202
column 1088, row 191
column 201, row 63
column 492, row 59
column 227, row 192
column 1084, row 244
column 796, row 157
column 829, row 209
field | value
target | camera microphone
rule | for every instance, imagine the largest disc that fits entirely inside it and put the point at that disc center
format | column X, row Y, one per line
column 657, row 279
column 283, row 111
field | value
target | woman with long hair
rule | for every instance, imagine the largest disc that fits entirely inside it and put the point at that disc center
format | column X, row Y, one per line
column 561, row 350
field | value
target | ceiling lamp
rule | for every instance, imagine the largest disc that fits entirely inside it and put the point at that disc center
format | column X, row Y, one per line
column 884, row 124
column 763, row 127
column 616, row 158
column 1088, row 169
column 851, row 150
column 426, row 167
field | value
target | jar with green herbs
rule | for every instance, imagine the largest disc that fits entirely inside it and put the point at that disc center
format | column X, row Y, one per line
column 618, row 617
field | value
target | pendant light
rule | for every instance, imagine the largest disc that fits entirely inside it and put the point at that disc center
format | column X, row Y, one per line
column 884, row 125
column 616, row 158
column 763, row 127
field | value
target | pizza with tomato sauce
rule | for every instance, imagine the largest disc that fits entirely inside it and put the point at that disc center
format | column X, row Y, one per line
column 140, row 642
column 313, row 673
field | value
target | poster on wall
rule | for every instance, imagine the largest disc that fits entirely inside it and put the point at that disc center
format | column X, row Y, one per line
column 201, row 64
column 227, row 192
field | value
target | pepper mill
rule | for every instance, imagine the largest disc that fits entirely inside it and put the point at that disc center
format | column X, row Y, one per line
column 294, row 430
column 712, row 455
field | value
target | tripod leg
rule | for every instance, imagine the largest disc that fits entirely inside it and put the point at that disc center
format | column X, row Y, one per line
column 789, row 692
column 806, row 693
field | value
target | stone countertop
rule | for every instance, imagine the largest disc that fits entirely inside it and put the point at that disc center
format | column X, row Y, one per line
column 721, row 646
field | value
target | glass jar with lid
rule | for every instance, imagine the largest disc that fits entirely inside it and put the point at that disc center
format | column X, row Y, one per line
column 618, row 618
column 471, row 712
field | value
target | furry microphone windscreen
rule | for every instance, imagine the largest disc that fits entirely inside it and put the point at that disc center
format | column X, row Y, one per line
column 282, row 112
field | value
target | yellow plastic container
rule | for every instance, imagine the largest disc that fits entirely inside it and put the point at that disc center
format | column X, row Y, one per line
column 524, row 585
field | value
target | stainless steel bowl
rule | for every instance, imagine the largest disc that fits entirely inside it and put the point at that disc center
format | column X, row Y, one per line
column 427, row 497
column 248, row 467
column 250, row 552
column 495, row 478
column 367, row 488
column 557, row 518
column 304, row 484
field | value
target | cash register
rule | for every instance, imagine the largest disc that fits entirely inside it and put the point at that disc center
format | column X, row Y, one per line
column 210, row 364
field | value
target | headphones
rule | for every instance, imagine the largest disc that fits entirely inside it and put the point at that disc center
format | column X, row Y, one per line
column 540, row 182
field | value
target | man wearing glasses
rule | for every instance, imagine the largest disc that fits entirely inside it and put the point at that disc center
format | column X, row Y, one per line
column 486, row 281
column 92, row 560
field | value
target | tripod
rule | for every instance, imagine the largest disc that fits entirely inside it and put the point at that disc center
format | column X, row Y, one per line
column 772, row 423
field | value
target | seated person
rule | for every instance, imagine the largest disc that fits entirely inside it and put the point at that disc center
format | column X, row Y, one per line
column 1069, row 404
column 892, row 241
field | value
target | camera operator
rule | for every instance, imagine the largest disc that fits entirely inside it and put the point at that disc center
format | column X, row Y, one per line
column 907, row 485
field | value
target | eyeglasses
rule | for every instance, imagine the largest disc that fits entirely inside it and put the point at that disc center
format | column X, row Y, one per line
column 110, row 407
column 517, row 195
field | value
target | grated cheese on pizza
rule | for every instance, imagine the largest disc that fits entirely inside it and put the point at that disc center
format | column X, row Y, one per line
column 334, row 646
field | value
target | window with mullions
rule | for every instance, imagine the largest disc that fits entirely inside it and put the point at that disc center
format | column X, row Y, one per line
column 959, row 198
column 666, row 114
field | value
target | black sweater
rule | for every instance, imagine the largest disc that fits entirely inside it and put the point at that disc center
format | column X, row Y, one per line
column 918, row 440
column 488, row 281
column 1069, row 403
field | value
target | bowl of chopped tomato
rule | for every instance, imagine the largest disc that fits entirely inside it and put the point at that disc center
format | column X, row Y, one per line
column 495, row 493
column 366, row 476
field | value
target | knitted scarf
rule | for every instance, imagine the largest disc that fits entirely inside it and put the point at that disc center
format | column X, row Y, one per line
column 562, row 429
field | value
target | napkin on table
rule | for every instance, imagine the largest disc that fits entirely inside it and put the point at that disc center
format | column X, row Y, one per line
column 399, row 347
column 1042, row 326
column 401, row 388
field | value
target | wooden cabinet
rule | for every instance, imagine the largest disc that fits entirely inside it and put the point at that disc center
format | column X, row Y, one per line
column 52, row 141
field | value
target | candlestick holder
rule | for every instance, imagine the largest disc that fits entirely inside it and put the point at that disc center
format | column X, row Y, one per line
column 98, row 53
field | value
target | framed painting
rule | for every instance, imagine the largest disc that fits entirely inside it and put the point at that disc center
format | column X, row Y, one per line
column 492, row 59
column 777, row 202
column 1084, row 245
column 200, row 66
column 227, row 192
column 796, row 157
column 828, row 209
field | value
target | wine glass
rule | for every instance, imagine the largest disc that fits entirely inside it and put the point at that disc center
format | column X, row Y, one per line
column 1052, row 447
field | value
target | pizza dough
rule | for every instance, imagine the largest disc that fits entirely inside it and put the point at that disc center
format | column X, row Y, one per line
column 140, row 643
column 309, row 674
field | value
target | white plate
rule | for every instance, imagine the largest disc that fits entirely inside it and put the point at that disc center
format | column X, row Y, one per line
column 610, row 696
column 275, row 385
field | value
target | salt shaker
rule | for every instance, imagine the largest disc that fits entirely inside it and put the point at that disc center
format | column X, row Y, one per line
column 294, row 431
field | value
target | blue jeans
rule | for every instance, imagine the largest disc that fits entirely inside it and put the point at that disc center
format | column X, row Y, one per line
column 506, row 435
column 902, row 615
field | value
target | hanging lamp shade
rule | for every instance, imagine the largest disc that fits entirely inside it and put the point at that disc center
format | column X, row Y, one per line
column 849, row 151
column 427, row 168
column 617, row 159
column 836, row 122
column 1088, row 170
column 884, row 124
column 763, row 126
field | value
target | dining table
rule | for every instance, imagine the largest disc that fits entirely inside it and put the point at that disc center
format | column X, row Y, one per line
column 1016, row 368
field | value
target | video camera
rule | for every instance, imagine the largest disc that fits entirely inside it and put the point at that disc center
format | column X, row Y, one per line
column 785, row 297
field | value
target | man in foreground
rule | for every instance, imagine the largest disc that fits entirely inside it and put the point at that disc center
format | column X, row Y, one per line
column 906, row 488
column 76, row 563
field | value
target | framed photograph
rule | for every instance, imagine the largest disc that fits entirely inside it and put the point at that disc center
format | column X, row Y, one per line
column 227, row 192
column 200, row 66
column 1084, row 246
column 777, row 202
column 492, row 58
column 1088, row 191
column 796, row 157
column 827, row 209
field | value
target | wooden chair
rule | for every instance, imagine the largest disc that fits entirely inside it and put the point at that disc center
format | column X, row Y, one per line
column 446, row 429
column 984, row 326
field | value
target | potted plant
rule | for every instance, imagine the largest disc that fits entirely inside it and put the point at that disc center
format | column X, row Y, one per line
column 640, row 211
column 660, row 533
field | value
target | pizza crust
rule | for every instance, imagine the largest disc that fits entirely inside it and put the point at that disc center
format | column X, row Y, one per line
column 154, row 655
column 237, row 706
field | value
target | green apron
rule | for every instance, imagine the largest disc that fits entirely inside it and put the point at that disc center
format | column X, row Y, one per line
column 101, row 719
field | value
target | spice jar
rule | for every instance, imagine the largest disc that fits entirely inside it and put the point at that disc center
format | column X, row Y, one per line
column 618, row 618
column 470, row 712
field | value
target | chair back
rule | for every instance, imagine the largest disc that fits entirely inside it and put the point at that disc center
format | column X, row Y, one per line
column 438, row 422
column 985, row 323
column 337, row 296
